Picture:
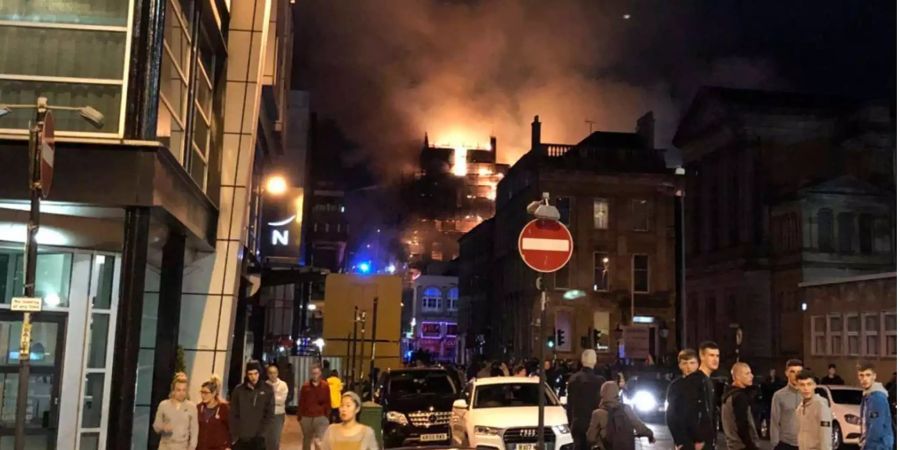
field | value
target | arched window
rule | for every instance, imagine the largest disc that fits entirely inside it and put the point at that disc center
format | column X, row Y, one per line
column 453, row 297
column 431, row 299
column 825, row 220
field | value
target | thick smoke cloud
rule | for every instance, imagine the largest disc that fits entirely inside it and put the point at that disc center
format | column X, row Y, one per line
column 391, row 70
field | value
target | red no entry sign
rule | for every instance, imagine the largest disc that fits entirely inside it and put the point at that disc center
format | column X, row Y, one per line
column 545, row 245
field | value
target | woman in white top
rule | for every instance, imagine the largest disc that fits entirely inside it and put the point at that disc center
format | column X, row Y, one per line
column 176, row 418
column 349, row 434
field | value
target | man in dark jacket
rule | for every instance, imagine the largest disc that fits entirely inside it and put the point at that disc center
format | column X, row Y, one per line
column 737, row 420
column 252, row 410
column 583, row 394
column 688, row 362
column 701, row 407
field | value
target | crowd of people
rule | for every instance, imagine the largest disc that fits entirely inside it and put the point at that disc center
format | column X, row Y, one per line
column 253, row 418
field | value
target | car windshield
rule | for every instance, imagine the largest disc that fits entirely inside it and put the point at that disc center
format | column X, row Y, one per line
column 847, row 396
column 510, row 395
column 412, row 384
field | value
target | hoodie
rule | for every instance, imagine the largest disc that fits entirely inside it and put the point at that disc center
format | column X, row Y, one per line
column 609, row 399
column 737, row 419
column 814, row 424
column 877, row 428
column 783, row 427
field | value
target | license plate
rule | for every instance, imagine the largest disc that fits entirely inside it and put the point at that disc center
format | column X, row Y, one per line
column 433, row 437
column 526, row 446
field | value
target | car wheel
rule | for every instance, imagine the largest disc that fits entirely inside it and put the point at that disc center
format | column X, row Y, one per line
column 837, row 438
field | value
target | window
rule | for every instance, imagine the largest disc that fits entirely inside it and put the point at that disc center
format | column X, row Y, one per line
column 884, row 233
column 852, row 327
column 437, row 252
column 865, row 234
column 173, row 81
column 564, row 205
column 889, row 326
column 601, row 214
column 73, row 52
column 641, row 273
column 845, row 233
column 818, row 335
column 825, row 221
column 327, row 227
column 451, row 329
column 601, row 272
column 835, row 338
column 431, row 329
column 453, row 299
column 640, row 214
column 431, row 299
column 871, row 329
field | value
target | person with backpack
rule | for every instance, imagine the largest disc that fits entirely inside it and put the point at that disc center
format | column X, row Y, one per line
column 614, row 425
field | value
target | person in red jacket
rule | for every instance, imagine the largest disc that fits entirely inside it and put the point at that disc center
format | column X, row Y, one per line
column 313, row 407
column 212, row 414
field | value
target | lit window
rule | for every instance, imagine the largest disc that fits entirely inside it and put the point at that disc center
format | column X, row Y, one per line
column 601, row 214
column 453, row 297
column 431, row 299
column 601, row 272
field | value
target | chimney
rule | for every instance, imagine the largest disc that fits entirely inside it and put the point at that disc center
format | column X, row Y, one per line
column 536, row 135
column 494, row 144
column 645, row 130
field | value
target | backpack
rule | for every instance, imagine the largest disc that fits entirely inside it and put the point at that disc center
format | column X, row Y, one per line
column 619, row 433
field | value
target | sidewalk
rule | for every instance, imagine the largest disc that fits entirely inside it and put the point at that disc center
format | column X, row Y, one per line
column 291, row 436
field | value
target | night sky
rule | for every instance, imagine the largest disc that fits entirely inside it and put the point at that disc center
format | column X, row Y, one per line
column 387, row 72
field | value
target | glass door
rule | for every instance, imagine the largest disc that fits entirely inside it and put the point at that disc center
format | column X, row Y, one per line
column 47, row 344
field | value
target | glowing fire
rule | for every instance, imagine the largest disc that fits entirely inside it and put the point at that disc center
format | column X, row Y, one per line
column 459, row 161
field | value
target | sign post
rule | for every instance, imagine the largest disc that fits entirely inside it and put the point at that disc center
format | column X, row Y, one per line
column 546, row 246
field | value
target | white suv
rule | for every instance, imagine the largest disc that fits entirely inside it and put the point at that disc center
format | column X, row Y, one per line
column 502, row 413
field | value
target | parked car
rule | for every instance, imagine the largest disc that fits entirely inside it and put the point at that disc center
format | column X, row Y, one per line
column 844, row 402
column 502, row 413
column 416, row 405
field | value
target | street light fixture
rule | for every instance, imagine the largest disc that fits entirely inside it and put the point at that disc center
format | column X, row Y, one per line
column 38, row 187
column 276, row 185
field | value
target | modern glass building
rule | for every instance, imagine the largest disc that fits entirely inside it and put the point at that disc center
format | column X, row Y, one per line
column 147, row 233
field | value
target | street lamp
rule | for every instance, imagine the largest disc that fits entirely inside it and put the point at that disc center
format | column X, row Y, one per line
column 40, row 135
column 276, row 185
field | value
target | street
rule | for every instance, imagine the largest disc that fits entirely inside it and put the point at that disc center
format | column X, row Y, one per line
column 664, row 439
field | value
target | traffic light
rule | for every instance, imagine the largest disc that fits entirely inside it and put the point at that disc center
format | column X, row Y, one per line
column 560, row 337
column 550, row 342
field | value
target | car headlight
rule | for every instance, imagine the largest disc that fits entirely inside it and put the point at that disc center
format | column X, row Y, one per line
column 397, row 417
column 488, row 431
column 851, row 419
column 561, row 429
column 644, row 401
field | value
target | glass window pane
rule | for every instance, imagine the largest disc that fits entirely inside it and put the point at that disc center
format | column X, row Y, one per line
column 169, row 132
column 890, row 322
column 853, row 323
column 173, row 88
column 97, row 340
column 872, row 345
column 820, row 345
column 93, row 400
column 106, row 99
column 144, row 377
column 836, row 323
column 40, row 388
column 106, row 267
column 601, row 213
column 43, row 343
column 85, row 12
column 836, row 345
column 853, row 345
column 90, row 441
column 198, row 169
column 201, row 133
column 819, row 324
column 601, row 272
column 63, row 53
column 177, row 36
column 891, row 343
column 872, row 323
